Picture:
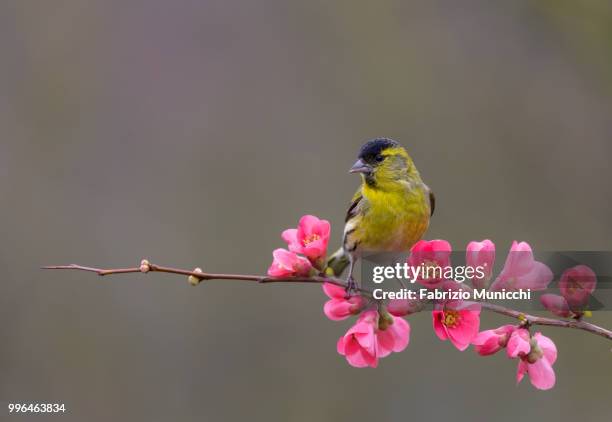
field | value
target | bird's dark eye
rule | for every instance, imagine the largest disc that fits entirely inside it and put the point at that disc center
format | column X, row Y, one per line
column 379, row 158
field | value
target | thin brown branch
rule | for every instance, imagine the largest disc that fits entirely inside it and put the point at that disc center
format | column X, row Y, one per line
column 146, row 267
column 149, row 267
column 551, row 322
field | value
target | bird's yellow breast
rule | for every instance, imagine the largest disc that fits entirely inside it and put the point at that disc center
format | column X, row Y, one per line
column 390, row 220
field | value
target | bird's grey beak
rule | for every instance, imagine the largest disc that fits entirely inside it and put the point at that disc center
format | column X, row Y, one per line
column 361, row 167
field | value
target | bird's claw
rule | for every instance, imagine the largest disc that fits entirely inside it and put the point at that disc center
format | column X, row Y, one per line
column 351, row 287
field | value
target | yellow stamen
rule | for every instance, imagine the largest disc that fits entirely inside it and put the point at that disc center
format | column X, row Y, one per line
column 451, row 318
column 310, row 239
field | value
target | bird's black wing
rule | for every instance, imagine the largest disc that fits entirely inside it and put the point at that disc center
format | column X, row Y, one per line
column 353, row 208
column 432, row 202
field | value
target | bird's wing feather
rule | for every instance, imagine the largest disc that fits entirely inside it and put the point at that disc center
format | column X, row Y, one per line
column 432, row 202
column 353, row 209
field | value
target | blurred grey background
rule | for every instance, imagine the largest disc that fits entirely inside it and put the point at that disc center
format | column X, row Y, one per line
column 193, row 132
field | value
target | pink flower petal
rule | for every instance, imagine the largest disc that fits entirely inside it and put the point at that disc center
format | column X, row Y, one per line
column 462, row 335
column 548, row 347
column 398, row 307
column 431, row 253
column 401, row 332
column 386, row 342
column 290, row 237
column 520, row 258
column 288, row 264
column 521, row 271
column 361, row 359
column 334, row 292
column 486, row 343
column 541, row 374
column 403, row 307
column 308, row 223
column 538, row 278
column 438, row 327
column 521, row 370
column 337, row 309
column 491, row 341
column 481, row 254
column 556, row 304
column 341, row 346
column 518, row 345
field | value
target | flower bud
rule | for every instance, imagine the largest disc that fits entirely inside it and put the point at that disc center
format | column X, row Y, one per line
column 481, row 255
column 492, row 341
column 193, row 280
column 145, row 267
column 577, row 284
column 402, row 307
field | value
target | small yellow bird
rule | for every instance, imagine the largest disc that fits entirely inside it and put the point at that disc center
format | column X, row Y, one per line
column 389, row 212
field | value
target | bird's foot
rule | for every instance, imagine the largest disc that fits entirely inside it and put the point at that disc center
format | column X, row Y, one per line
column 351, row 287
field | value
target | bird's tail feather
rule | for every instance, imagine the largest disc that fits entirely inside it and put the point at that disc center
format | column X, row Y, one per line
column 337, row 263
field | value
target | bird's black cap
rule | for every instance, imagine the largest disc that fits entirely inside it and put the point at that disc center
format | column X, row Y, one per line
column 375, row 146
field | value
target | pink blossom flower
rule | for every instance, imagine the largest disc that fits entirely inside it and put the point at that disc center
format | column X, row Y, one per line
column 522, row 271
column 492, row 341
column 310, row 238
column 556, row 304
column 481, row 254
column 518, row 344
column 358, row 345
column 339, row 306
column 434, row 257
column 577, row 284
column 538, row 363
column 457, row 321
column 288, row 264
column 373, row 337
